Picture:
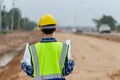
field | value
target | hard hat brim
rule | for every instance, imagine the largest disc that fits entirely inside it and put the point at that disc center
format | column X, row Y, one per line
column 48, row 27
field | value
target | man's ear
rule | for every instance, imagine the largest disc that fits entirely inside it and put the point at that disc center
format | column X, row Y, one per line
column 42, row 33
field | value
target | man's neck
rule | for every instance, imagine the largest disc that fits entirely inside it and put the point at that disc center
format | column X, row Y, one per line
column 48, row 36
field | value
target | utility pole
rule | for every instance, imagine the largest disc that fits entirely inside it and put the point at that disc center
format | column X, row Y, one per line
column 0, row 15
column 19, row 17
column 24, row 22
column 12, row 19
column 76, row 7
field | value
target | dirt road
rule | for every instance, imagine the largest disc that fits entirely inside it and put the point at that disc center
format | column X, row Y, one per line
column 95, row 59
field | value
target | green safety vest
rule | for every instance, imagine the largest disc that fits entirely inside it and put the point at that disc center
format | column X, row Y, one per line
column 48, row 59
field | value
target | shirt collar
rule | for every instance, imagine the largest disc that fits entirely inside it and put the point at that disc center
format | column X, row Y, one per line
column 48, row 40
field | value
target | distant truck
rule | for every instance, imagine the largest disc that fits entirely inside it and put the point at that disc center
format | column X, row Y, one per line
column 104, row 28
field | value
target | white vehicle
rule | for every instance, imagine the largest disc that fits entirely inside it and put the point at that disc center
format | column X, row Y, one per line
column 104, row 28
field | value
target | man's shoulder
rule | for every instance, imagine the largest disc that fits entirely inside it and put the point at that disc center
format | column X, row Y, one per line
column 34, row 43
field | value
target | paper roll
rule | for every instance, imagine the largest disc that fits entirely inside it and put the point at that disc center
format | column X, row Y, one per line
column 26, row 57
column 68, row 42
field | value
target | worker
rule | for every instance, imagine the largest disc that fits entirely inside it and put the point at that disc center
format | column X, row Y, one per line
column 47, row 59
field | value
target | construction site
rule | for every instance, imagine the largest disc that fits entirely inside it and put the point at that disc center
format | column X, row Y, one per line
column 95, row 58
column 91, row 28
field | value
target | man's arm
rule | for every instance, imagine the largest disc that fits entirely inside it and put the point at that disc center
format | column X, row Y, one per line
column 27, row 69
column 26, row 63
column 68, row 67
column 69, row 62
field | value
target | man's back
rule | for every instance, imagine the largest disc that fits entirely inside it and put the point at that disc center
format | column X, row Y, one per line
column 50, row 59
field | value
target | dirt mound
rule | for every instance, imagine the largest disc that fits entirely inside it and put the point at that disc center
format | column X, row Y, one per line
column 12, row 70
column 115, row 75
column 11, row 42
column 16, row 40
column 111, row 37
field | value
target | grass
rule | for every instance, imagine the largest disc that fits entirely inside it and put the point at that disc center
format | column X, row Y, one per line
column 5, row 32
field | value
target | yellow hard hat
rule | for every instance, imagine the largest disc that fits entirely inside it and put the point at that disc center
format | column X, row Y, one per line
column 45, row 20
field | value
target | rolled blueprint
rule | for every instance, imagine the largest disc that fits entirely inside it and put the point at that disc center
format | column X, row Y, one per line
column 68, row 42
column 26, row 57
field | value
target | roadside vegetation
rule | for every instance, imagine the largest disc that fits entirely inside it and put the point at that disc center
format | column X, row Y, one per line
column 109, row 20
column 13, row 20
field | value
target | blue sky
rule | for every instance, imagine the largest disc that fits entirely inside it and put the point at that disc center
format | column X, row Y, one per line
column 68, row 12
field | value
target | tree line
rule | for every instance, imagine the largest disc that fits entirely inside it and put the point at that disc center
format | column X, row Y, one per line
column 109, row 20
column 12, row 20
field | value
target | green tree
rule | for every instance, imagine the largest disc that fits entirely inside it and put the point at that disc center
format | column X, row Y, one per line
column 17, row 17
column 118, row 27
column 109, row 20
column 19, row 22
column 98, row 23
column 26, row 24
column 4, row 15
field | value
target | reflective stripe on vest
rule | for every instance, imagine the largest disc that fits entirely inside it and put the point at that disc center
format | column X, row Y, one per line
column 38, row 77
column 63, row 54
column 36, row 63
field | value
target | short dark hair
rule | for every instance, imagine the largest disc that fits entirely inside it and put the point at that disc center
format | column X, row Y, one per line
column 49, row 31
